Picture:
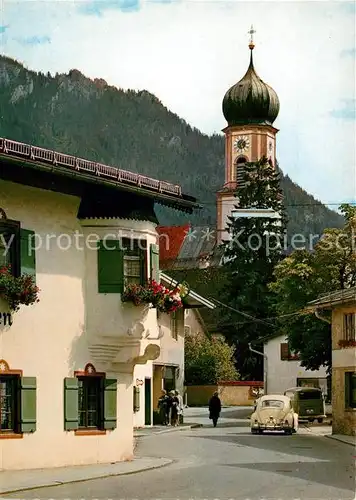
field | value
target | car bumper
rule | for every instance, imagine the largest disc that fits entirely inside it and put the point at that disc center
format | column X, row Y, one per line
column 271, row 427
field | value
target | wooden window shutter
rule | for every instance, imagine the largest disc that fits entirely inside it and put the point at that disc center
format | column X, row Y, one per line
column 154, row 258
column 347, row 390
column 71, row 404
column 27, row 252
column 110, row 267
column 284, row 351
column 28, row 405
column 136, row 396
column 110, row 403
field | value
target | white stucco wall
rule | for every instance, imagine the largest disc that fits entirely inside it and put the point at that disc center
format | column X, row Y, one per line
column 52, row 339
column 283, row 374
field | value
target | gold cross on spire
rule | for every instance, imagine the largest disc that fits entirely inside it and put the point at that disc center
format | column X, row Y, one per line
column 251, row 32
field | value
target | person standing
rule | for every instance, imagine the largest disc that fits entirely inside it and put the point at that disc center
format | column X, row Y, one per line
column 163, row 405
column 214, row 408
column 174, row 409
column 180, row 407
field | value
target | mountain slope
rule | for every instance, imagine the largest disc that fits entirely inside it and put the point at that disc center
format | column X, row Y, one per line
column 88, row 118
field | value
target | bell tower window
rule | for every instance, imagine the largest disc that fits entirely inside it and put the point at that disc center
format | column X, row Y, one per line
column 240, row 170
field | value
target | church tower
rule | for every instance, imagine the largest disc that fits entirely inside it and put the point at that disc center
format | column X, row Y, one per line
column 250, row 108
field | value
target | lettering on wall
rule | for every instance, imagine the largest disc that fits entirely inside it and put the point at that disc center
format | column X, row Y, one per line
column 5, row 319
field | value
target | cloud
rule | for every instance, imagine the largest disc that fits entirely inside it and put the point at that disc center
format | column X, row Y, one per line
column 97, row 7
column 34, row 40
column 348, row 53
column 348, row 112
column 3, row 29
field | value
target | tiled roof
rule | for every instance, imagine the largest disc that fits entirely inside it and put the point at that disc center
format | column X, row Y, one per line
column 171, row 239
column 339, row 297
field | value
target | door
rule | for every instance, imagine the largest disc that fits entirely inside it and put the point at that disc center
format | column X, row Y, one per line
column 148, row 401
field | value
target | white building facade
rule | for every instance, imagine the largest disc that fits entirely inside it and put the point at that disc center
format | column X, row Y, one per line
column 284, row 370
column 67, row 362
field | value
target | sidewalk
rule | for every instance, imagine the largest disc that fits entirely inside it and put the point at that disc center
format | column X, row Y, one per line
column 20, row 480
column 161, row 429
column 326, row 431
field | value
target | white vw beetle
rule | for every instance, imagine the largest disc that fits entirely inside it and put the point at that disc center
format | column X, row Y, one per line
column 274, row 412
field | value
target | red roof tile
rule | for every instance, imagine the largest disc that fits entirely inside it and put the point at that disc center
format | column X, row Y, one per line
column 171, row 239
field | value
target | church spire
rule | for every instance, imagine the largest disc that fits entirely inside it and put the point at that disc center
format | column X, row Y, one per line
column 251, row 45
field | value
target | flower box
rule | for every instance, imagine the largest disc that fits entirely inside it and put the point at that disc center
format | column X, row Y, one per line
column 156, row 295
column 17, row 290
column 347, row 343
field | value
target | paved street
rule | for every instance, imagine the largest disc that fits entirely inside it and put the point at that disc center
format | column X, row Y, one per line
column 227, row 463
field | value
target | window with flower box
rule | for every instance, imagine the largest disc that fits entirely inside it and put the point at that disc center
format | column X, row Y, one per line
column 16, row 247
column 287, row 354
column 121, row 262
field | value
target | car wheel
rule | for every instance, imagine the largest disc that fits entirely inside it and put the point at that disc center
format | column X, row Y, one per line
column 320, row 420
column 260, row 431
column 288, row 432
column 311, row 420
column 253, row 431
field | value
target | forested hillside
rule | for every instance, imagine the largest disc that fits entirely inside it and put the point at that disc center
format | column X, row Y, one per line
column 134, row 130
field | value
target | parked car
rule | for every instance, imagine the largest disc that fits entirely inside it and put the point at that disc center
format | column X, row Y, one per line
column 274, row 412
column 308, row 402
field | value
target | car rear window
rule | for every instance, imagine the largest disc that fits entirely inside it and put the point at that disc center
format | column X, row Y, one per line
column 272, row 403
column 309, row 395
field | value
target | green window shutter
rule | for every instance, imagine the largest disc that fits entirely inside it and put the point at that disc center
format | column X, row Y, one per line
column 110, row 267
column 27, row 404
column 154, row 258
column 110, row 405
column 27, row 252
column 70, row 404
column 136, row 399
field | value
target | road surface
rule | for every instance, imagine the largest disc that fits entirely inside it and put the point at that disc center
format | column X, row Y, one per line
column 227, row 463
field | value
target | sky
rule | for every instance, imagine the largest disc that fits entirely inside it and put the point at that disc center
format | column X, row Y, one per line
column 188, row 53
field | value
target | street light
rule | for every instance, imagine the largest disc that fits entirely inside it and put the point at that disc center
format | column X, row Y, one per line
column 265, row 366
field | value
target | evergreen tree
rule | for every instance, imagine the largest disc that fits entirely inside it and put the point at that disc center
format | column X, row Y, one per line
column 254, row 249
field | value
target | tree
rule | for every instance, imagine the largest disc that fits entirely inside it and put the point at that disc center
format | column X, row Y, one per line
column 305, row 275
column 208, row 360
column 250, row 257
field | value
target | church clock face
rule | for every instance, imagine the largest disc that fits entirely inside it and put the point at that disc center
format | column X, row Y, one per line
column 241, row 144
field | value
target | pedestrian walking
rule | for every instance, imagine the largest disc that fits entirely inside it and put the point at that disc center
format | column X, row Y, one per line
column 214, row 408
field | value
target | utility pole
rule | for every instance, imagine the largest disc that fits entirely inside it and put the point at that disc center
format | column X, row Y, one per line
column 265, row 366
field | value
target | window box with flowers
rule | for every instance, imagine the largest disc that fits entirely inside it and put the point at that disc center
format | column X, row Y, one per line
column 17, row 290
column 156, row 295
column 347, row 343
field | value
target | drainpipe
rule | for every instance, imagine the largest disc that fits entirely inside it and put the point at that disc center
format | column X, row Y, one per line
column 319, row 316
column 265, row 366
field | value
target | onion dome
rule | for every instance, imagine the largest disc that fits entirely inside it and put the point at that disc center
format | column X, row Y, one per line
column 250, row 101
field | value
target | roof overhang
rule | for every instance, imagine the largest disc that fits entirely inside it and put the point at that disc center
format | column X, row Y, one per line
column 332, row 300
column 25, row 156
column 193, row 299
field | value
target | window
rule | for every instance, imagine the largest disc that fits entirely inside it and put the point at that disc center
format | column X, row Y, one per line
column 9, row 403
column 121, row 262
column 134, row 262
column 350, row 390
column 17, row 402
column 240, row 170
column 272, row 403
column 174, row 325
column 349, row 327
column 169, row 379
column 287, row 354
column 10, row 245
column 90, row 402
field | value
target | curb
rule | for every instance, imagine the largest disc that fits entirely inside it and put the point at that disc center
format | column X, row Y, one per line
column 84, row 480
column 173, row 429
column 329, row 436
